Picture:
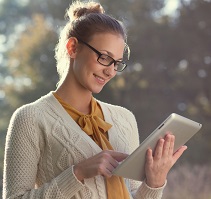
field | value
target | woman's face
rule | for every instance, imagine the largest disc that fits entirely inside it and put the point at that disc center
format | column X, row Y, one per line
column 88, row 73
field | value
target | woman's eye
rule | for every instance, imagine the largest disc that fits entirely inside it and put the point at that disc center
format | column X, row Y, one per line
column 103, row 57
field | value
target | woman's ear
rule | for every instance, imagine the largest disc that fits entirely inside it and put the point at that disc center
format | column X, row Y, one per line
column 72, row 46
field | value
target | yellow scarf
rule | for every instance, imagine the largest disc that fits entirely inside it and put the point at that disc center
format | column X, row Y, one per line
column 95, row 126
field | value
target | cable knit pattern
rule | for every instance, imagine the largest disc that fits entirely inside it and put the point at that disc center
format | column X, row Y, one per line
column 43, row 144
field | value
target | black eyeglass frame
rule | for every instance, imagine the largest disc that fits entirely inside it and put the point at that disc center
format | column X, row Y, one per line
column 100, row 54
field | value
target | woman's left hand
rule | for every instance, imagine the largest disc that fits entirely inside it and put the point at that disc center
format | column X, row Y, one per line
column 158, row 164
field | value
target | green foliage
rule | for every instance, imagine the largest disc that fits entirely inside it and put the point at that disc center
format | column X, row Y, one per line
column 31, row 61
column 32, row 71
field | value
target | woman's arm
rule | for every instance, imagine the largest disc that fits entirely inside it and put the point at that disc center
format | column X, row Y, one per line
column 22, row 154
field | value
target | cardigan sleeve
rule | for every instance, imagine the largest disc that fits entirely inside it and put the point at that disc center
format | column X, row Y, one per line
column 140, row 190
column 22, row 153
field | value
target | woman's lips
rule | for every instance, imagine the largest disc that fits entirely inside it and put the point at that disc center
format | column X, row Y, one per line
column 99, row 79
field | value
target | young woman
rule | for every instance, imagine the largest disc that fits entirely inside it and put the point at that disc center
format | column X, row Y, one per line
column 66, row 144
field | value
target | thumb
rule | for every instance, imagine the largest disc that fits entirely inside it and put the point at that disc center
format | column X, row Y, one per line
column 179, row 152
column 118, row 156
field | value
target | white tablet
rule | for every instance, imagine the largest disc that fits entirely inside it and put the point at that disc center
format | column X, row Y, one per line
column 182, row 128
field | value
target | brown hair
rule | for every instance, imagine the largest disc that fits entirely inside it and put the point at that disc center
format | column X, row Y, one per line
column 85, row 20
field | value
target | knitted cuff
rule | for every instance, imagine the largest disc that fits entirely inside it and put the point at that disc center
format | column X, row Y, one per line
column 145, row 191
column 68, row 184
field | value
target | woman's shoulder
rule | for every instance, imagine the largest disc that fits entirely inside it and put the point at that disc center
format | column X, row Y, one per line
column 33, row 108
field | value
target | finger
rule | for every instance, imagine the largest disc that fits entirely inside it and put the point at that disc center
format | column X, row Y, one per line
column 108, row 159
column 159, row 149
column 112, row 164
column 171, row 148
column 118, row 156
column 179, row 152
column 108, row 173
column 166, row 145
column 149, row 157
column 109, row 168
column 104, row 171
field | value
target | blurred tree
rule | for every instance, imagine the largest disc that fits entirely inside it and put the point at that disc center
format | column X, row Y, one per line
column 194, row 69
column 170, row 71
column 32, row 71
column 32, row 63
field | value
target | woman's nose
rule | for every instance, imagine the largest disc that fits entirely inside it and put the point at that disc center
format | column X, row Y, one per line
column 109, row 71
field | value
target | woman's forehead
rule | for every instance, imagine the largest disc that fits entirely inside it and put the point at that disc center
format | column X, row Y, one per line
column 110, row 42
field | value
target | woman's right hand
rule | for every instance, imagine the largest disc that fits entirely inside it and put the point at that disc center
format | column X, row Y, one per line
column 101, row 164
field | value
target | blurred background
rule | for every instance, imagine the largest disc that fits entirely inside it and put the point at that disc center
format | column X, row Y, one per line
column 169, row 71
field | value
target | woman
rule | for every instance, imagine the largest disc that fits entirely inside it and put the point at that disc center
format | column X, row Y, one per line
column 66, row 144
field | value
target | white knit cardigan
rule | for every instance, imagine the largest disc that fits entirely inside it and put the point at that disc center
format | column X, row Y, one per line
column 43, row 143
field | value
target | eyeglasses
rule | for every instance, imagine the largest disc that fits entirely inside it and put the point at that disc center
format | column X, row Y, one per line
column 106, row 60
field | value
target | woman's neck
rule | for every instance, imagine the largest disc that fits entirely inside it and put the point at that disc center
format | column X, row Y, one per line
column 78, row 98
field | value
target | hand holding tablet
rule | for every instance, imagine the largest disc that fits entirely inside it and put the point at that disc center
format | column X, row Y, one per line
column 133, row 167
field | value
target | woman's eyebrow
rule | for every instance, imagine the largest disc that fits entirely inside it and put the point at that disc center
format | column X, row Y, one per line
column 112, row 55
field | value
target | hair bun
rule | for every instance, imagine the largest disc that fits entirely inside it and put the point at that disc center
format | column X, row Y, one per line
column 78, row 9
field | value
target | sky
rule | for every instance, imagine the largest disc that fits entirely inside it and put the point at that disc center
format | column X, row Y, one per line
column 171, row 6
